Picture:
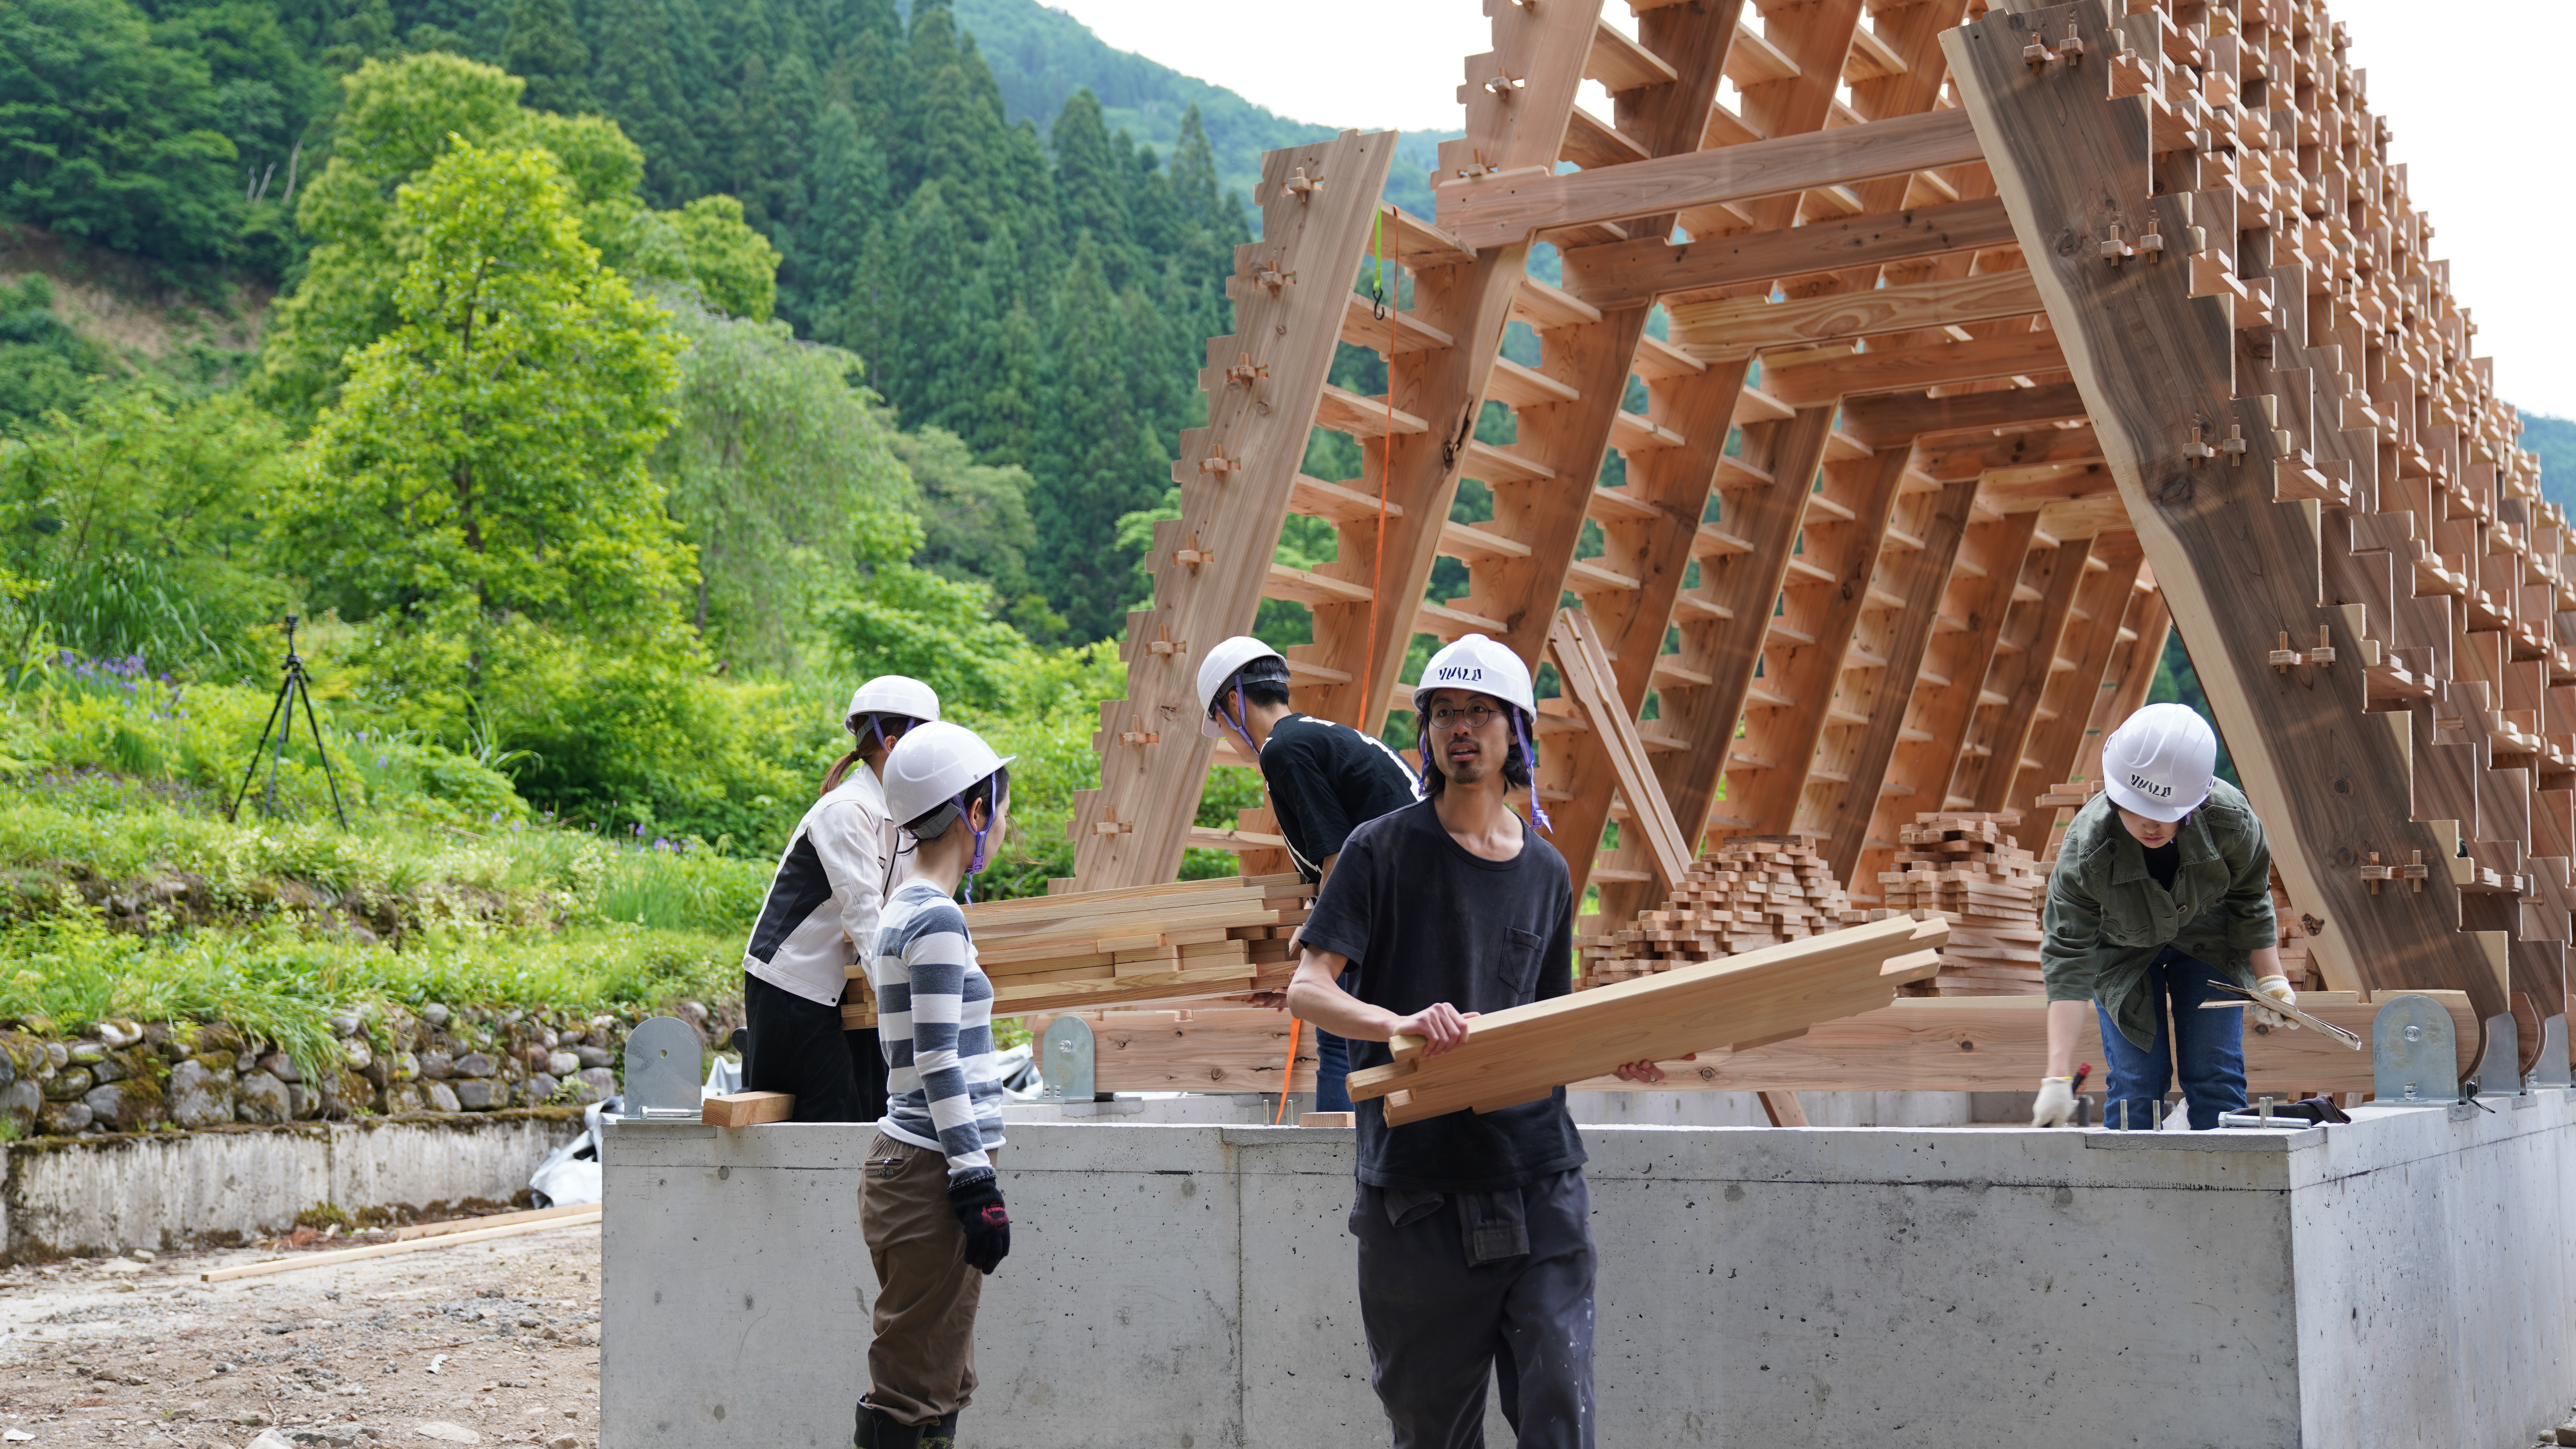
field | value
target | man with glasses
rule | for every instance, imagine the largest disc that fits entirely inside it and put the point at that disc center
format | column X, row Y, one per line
column 1475, row 1249
column 1324, row 780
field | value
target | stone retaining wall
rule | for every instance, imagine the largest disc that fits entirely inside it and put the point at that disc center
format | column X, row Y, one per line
column 94, row 1194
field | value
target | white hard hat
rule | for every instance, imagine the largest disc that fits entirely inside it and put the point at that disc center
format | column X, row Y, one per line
column 931, row 765
column 1219, row 666
column 2158, row 763
column 895, row 694
column 1479, row 664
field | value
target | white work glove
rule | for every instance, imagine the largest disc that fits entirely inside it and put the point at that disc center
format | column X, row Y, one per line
column 2056, row 1105
column 2278, row 988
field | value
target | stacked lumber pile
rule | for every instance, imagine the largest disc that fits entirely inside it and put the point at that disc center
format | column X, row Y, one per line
column 1186, row 941
column 1526, row 1052
column 1193, row 1049
column 1965, row 869
column 2067, row 798
column 1751, row 891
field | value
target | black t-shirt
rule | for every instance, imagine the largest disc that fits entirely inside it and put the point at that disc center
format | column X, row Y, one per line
column 1327, row 780
column 1423, row 919
column 2163, row 861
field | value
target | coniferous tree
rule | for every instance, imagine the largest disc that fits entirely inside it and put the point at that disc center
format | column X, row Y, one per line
column 545, row 49
column 849, row 195
column 1098, row 457
column 638, row 80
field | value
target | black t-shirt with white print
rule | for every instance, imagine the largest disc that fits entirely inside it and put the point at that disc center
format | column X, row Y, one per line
column 1327, row 780
column 1423, row 919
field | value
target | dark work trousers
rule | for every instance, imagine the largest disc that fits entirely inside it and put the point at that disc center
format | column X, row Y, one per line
column 921, row 1364
column 1435, row 1324
column 797, row 1046
column 2206, row 1049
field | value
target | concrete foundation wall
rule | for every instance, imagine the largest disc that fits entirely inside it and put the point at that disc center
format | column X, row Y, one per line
column 168, row 1190
column 2404, row 1280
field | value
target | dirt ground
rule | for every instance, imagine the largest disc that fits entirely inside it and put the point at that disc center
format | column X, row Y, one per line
column 491, row 1343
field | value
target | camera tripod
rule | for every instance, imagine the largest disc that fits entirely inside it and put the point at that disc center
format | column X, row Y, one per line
column 296, row 686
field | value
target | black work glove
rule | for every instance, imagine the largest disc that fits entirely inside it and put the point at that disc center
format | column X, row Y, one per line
column 978, row 1204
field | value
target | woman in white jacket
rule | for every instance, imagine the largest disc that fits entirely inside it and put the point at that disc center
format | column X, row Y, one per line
column 821, row 915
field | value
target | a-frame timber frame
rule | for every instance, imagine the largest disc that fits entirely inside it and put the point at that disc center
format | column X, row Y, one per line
column 1868, row 517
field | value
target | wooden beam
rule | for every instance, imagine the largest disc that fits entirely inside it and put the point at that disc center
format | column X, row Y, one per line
column 1634, row 273
column 1954, row 460
column 1913, row 369
column 1826, row 611
column 1470, row 300
column 1714, row 331
column 2066, row 707
column 1505, row 207
column 2026, row 654
column 1920, row 578
column 2160, row 369
column 1593, row 687
column 1879, row 421
column 1131, row 831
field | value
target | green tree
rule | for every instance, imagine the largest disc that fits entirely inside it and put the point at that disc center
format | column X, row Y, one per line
column 850, row 195
column 974, row 516
column 44, row 364
column 485, row 469
column 1099, row 457
column 735, row 268
column 783, row 476
column 546, row 48
column 134, row 525
column 108, row 137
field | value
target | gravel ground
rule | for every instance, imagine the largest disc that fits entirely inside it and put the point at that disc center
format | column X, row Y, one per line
column 491, row 1343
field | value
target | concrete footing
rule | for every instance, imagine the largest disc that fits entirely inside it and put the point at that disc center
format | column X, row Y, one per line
column 167, row 1190
column 2403, row 1280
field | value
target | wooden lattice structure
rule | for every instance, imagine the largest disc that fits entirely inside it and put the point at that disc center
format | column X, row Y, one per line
column 1904, row 518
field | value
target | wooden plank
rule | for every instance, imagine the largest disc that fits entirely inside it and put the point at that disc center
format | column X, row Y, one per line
column 1524, row 1052
column 581, row 1216
column 1506, row 207
column 1151, row 778
column 1634, row 273
column 1881, row 420
column 1919, row 578
column 493, row 1220
column 1914, row 368
column 1715, row 331
column 2150, row 359
column 746, row 1109
column 2000, row 1044
column 1593, row 687
column 1200, row 1049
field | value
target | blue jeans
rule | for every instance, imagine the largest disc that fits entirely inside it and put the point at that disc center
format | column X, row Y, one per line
column 2205, row 1048
column 1333, row 1066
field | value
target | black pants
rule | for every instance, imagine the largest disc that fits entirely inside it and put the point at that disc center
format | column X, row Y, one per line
column 1435, row 1324
column 797, row 1046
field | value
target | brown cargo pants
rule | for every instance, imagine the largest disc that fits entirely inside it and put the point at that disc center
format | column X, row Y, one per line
column 921, row 1365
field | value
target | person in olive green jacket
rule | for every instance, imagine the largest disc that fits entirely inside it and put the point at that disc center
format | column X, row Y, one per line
column 2163, row 884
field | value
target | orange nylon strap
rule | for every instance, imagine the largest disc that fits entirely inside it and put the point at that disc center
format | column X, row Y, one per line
column 1288, row 1074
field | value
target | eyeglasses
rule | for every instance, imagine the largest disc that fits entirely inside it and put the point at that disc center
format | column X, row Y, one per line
column 1474, row 716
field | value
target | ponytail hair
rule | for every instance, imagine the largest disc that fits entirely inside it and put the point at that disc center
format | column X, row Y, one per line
column 840, row 769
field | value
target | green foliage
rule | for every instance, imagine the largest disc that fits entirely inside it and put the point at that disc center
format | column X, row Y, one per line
column 2554, row 439
column 907, row 620
column 975, row 523
column 128, row 526
column 783, row 476
column 736, row 268
column 44, row 365
column 111, row 137
column 2178, row 683
column 486, row 469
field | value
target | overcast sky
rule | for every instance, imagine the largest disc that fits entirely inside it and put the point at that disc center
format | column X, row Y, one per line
column 2476, row 109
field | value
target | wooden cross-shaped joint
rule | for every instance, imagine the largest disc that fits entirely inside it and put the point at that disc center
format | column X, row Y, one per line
column 1503, row 83
column 1301, row 185
column 2375, row 872
column 1169, row 646
column 1245, row 371
column 2285, row 657
column 1137, row 734
column 1269, row 274
column 1218, row 462
column 1192, row 556
column 1107, row 826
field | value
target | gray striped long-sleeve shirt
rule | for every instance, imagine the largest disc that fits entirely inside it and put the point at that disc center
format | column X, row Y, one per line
column 935, row 1022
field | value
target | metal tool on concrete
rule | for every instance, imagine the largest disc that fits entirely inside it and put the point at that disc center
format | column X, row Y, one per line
column 2413, row 1059
column 662, row 1079
column 2327, row 1029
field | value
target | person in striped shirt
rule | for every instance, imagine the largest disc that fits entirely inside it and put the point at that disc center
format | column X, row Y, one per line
column 930, row 1205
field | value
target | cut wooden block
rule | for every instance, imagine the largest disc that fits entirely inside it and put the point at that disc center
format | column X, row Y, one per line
column 1525, row 1052
column 746, row 1109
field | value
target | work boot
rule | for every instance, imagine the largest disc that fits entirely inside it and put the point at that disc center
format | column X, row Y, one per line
column 879, row 1430
column 940, row 1433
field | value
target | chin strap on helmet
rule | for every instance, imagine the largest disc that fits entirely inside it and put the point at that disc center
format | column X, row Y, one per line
column 1529, row 761
column 1240, row 720
column 975, row 866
